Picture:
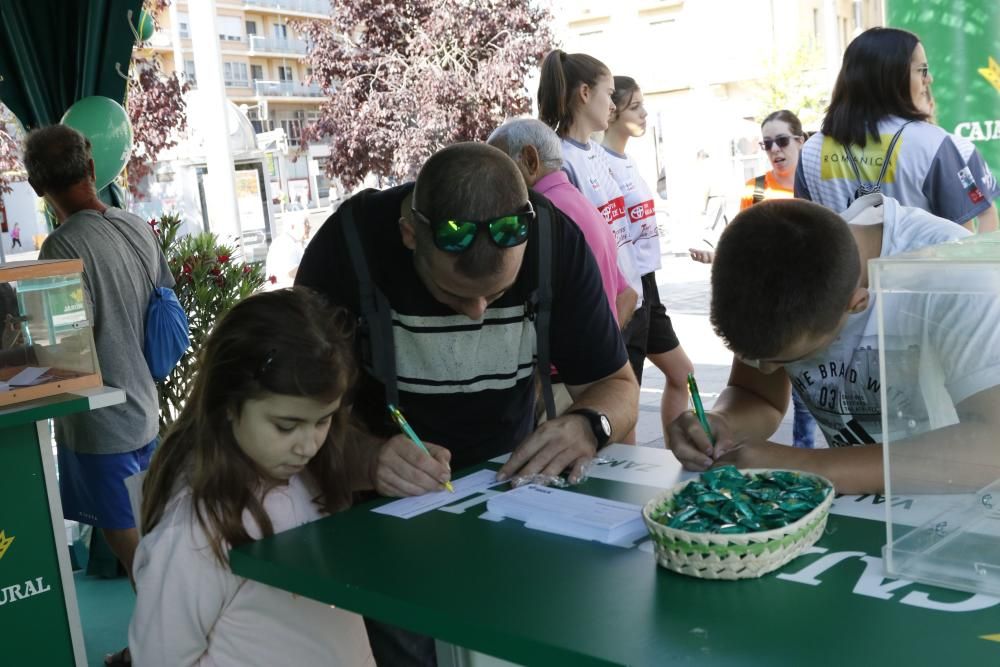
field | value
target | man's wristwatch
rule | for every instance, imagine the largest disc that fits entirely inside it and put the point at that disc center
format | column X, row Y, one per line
column 599, row 424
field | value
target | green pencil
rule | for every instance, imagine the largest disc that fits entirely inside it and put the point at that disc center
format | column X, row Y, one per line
column 699, row 409
column 405, row 427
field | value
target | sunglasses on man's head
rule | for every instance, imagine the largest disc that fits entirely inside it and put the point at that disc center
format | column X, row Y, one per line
column 452, row 235
column 782, row 140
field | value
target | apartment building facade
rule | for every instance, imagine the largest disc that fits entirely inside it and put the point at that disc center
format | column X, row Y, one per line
column 265, row 76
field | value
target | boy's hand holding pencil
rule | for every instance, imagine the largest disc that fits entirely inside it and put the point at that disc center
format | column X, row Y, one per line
column 698, row 438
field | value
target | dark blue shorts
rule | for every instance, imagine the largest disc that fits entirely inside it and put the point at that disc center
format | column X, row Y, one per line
column 92, row 486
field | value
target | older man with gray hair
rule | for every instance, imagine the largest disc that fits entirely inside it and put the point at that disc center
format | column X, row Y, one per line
column 537, row 150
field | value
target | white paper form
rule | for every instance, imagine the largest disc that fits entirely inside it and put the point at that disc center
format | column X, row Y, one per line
column 470, row 485
column 571, row 514
column 29, row 376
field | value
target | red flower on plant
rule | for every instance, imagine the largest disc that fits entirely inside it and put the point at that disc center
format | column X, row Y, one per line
column 223, row 259
column 186, row 268
column 214, row 272
column 246, row 269
column 273, row 279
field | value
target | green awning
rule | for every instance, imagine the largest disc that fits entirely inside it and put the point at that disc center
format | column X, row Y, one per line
column 54, row 52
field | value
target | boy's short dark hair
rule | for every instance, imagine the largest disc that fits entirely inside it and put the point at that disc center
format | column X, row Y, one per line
column 783, row 269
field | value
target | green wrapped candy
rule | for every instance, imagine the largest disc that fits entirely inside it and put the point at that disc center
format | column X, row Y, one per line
column 723, row 500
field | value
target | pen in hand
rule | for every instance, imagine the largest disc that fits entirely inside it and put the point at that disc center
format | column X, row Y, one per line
column 699, row 409
column 404, row 426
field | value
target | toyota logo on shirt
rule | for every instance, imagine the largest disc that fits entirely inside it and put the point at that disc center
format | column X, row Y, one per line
column 613, row 210
column 642, row 210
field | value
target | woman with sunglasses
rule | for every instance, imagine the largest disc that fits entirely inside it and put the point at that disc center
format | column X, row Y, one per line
column 882, row 103
column 781, row 139
column 654, row 334
column 574, row 99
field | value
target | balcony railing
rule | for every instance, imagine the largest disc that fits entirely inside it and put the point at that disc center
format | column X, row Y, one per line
column 286, row 89
column 310, row 6
column 260, row 44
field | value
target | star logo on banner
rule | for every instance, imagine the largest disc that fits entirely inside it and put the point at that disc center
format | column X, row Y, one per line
column 992, row 73
column 4, row 543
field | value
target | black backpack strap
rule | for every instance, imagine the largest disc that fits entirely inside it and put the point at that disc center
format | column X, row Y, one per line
column 877, row 186
column 543, row 306
column 758, row 189
column 376, row 318
column 888, row 154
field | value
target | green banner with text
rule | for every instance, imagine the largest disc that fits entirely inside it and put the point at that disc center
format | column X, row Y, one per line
column 962, row 40
column 34, row 627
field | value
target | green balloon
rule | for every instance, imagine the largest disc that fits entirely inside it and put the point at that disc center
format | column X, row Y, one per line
column 145, row 27
column 106, row 124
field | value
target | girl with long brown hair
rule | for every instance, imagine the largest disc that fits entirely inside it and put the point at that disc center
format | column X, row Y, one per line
column 258, row 449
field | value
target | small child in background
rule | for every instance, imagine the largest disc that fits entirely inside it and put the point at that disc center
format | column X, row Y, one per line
column 258, row 449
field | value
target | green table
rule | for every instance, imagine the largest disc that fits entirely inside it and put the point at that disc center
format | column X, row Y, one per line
column 39, row 619
column 540, row 599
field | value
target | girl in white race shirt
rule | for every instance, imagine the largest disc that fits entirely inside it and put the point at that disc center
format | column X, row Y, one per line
column 653, row 335
column 574, row 99
column 258, row 449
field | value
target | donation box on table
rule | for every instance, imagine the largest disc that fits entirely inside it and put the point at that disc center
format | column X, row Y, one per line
column 46, row 331
column 939, row 387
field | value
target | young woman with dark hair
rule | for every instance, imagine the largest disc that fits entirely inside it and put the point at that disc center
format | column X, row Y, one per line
column 655, row 338
column 258, row 449
column 574, row 99
column 882, row 103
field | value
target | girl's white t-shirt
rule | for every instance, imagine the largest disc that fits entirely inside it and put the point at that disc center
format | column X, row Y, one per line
column 640, row 210
column 587, row 167
column 190, row 610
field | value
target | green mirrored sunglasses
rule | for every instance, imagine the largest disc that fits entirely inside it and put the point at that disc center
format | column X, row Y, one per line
column 451, row 235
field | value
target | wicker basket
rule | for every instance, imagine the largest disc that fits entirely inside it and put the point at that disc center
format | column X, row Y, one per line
column 733, row 556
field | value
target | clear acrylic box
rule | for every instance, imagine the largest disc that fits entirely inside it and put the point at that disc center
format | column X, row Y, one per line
column 938, row 315
column 46, row 331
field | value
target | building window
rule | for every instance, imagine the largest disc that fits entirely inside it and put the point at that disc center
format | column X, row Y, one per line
column 256, row 72
column 259, row 126
column 189, row 72
column 230, row 28
column 234, row 75
column 816, row 24
column 280, row 31
column 284, row 73
column 183, row 25
column 251, row 27
column 293, row 131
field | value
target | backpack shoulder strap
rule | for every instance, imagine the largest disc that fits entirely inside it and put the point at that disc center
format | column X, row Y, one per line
column 888, row 153
column 138, row 254
column 376, row 318
column 543, row 305
column 759, row 188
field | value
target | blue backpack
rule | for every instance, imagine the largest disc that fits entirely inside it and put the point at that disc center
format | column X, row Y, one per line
column 166, row 339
